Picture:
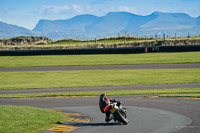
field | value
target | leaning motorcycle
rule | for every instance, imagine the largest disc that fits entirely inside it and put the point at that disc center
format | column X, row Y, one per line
column 119, row 113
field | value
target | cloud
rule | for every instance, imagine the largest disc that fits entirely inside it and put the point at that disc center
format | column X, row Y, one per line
column 53, row 9
column 60, row 9
column 194, row 12
column 121, row 9
column 77, row 8
column 124, row 8
column 189, row 0
column 3, row 11
column 127, row 9
column 96, row 2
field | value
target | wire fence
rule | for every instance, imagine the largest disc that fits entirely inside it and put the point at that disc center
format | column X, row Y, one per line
column 108, row 42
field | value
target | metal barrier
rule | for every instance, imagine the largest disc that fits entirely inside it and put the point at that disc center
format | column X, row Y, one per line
column 128, row 50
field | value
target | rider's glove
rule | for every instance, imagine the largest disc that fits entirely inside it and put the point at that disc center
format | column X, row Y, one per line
column 118, row 103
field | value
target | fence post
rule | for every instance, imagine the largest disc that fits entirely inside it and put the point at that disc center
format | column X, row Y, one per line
column 175, row 36
column 188, row 35
column 125, row 40
column 156, row 37
column 164, row 36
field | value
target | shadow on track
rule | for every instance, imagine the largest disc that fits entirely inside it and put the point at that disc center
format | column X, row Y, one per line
column 102, row 124
column 91, row 124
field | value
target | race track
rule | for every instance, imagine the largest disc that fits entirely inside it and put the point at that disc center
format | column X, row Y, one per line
column 100, row 67
column 157, row 113
column 142, row 120
column 147, row 115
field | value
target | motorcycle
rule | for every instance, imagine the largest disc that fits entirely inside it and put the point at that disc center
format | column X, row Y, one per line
column 119, row 113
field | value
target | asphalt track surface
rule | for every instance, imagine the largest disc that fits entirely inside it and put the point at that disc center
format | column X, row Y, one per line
column 163, row 121
column 156, row 115
column 145, row 114
column 104, row 88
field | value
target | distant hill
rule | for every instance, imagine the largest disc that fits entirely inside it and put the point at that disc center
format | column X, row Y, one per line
column 118, row 22
column 8, row 31
column 77, row 23
column 198, row 20
column 114, row 23
column 170, row 21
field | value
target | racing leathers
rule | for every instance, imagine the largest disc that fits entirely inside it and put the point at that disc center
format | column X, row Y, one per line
column 104, row 105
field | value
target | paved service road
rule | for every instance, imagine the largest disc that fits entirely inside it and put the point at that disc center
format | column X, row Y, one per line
column 100, row 67
column 104, row 88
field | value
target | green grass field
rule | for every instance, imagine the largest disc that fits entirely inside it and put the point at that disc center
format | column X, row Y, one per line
column 23, row 119
column 20, row 119
column 107, row 59
column 59, row 79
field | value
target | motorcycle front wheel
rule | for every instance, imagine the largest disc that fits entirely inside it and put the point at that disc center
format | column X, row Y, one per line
column 121, row 118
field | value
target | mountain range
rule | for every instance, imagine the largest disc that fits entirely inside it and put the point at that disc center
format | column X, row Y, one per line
column 8, row 31
column 114, row 23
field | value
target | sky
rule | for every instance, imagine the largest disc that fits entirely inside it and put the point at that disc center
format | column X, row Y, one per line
column 27, row 13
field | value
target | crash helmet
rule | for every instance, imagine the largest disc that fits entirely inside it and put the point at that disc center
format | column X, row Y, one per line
column 102, row 97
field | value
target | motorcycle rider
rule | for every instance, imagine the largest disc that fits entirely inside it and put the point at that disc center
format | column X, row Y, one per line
column 104, row 105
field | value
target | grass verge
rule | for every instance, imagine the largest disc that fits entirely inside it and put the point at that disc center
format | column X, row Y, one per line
column 61, row 79
column 109, row 93
column 23, row 119
column 181, row 95
column 108, row 59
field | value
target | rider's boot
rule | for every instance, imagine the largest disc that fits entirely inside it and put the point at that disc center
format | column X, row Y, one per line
column 107, row 119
